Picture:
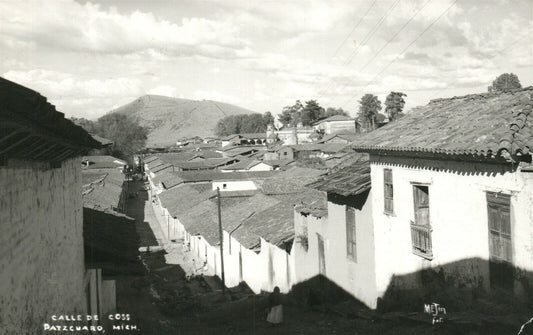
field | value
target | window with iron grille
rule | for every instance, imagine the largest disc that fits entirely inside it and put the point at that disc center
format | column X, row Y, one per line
column 421, row 228
column 388, row 191
column 351, row 245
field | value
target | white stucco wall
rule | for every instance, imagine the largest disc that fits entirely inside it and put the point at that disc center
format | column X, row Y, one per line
column 458, row 216
column 261, row 167
column 330, row 127
column 356, row 277
column 234, row 185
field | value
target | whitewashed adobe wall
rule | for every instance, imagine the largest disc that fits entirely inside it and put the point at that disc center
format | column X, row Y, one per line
column 458, row 216
column 234, row 185
column 42, row 261
column 356, row 277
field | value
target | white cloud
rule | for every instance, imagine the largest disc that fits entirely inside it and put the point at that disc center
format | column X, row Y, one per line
column 215, row 95
column 68, row 25
column 165, row 90
column 75, row 96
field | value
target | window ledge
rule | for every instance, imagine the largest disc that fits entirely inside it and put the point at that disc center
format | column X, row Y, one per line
column 428, row 256
column 391, row 214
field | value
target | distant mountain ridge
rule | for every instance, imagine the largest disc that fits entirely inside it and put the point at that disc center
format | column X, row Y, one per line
column 169, row 119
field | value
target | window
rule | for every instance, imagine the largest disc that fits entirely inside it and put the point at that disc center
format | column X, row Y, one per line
column 224, row 186
column 351, row 250
column 421, row 228
column 389, row 193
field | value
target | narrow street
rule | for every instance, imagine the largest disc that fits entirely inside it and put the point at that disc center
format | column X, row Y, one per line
column 165, row 301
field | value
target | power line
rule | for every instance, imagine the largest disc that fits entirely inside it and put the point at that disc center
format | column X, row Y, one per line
column 402, row 52
column 351, row 32
column 384, row 46
column 353, row 29
column 372, row 31
column 368, row 36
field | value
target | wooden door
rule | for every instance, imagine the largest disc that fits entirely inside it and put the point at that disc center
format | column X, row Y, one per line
column 500, row 241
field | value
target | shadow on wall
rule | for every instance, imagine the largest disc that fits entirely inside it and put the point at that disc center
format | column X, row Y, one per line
column 111, row 243
column 319, row 290
column 470, row 284
column 458, row 166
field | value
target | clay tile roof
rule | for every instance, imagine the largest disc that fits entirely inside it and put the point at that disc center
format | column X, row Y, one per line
column 102, row 191
column 474, row 125
column 32, row 129
column 179, row 200
column 335, row 118
column 168, row 178
column 350, row 180
column 205, row 176
column 275, row 224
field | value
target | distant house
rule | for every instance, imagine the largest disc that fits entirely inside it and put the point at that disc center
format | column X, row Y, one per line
column 41, row 215
column 337, row 124
column 248, row 165
column 258, row 229
column 290, row 135
column 339, row 138
column 244, row 139
column 102, row 162
column 451, row 196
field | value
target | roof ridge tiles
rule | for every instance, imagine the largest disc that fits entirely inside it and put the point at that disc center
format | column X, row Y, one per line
column 481, row 95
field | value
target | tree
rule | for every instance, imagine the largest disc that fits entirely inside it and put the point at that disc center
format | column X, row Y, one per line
column 290, row 115
column 243, row 123
column 268, row 118
column 394, row 105
column 228, row 125
column 127, row 134
column 311, row 113
column 330, row 111
column 505, row 82
column 369, row 108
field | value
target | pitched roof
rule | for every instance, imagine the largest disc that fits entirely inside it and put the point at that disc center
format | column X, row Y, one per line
column 350, row 180
column 199, row 176
column 481, row 125
column 162, row 167
column 275, row 224
column 103, row 191
column 291, row 181
column 348, row 137
column 32, row 129
column 183, row 156
column 335, row 118
column 244, row 164
column 104, row 141
column 323, row 147
column 209, row 163
column 179, row 200
column 254, row 135
column 102, row 162
column 168, row 178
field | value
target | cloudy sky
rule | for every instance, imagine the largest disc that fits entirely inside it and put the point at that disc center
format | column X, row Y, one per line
column 91, row 57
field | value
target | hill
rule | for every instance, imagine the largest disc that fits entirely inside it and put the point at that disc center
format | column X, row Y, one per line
column 169, row 119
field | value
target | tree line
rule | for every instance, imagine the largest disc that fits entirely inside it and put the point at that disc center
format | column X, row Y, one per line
column 127, row 134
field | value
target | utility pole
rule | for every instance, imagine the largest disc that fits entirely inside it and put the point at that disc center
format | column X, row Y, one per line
column 221, row 243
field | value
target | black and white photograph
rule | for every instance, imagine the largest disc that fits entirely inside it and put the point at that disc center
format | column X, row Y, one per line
column 266, row 167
